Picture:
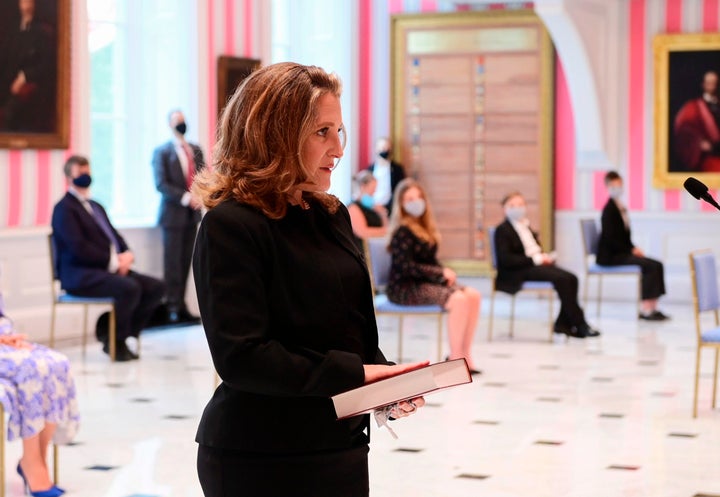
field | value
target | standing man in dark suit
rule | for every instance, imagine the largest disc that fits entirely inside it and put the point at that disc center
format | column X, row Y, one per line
column 175, row 163
column 387, row 172
column 520, row 258
column 615, row 248
column 93, row 259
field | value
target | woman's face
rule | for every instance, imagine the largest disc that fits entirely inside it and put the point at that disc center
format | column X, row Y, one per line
column 412, row 193
column 370, row 187
column 326, row 143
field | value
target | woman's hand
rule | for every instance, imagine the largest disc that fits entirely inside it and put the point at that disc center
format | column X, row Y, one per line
column 15, row 340
column 450, row 276
column 375, row 372
column 407, row 407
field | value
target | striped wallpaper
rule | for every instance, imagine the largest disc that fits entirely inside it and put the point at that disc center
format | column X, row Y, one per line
column 31, row 181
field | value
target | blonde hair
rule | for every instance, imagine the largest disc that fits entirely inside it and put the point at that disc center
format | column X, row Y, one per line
column 257, row 159
column 423, row 227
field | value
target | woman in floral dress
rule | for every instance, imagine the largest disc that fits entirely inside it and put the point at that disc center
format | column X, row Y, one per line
column 38, row 391
column 416, row 276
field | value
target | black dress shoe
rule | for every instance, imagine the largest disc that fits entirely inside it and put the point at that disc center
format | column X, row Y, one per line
column 122, row 353
column 587, row 331
column 654, row 316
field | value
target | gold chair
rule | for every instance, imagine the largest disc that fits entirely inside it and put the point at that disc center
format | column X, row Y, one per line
column 379, row 260
column 590, row 242
column 706, row 299
column 60, row 297
column 543, row 288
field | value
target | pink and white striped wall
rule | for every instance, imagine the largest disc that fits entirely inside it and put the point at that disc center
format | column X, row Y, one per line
column 645, row 19
column 31, row 181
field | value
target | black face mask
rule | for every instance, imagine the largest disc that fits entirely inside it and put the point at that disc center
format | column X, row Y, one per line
column 384, row 154
column 181, row 128
column 82, row 181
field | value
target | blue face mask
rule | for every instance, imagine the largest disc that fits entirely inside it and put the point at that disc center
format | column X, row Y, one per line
column 82, row 181
column 367, row 201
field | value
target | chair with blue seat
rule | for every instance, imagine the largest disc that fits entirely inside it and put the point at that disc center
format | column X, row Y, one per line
column 591, row 235
column 60, row 297
column 379, row 260
column 543, row 288
column 706, row 299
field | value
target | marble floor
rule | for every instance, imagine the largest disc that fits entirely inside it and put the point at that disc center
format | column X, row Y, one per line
column 604, row 417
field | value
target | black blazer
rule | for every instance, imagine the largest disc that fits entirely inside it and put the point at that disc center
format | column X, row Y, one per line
column 615, row 237
column 276, row 315
column 397, row 174
column 83, row 248
column 172, row 184
column 512, row 263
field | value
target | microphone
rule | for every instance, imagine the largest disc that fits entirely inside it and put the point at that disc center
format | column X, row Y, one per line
column 699, row 190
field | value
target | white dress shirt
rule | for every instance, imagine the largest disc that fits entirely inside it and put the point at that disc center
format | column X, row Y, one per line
column 532, row 249
column 182, row 157
column 381, row 172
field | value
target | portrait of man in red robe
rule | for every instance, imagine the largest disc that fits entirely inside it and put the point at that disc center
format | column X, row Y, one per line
column 696, row 130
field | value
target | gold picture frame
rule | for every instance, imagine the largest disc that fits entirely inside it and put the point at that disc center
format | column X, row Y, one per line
column 478, row 34
column 35, row 111
column 687, row 129
column 231, row 71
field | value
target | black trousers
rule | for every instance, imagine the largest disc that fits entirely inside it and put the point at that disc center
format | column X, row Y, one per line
column 652, row 281
column 566, row 287
column 178, row 242
column 227, row 473
column 136, row 297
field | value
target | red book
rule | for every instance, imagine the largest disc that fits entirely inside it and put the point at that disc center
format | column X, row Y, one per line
column 405, row 386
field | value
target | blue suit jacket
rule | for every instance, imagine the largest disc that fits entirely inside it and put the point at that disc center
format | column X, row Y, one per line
column 171, row 183
column 83, row 248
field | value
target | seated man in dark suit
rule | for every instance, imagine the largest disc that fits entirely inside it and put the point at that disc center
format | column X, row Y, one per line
column 615, row 248
column 93, row 259
column 520, row 258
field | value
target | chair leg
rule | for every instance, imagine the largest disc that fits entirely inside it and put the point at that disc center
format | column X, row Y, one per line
column 56, row 465
column 599, row 295
column 697, row 377
column 112, row 334
column 715, row 374
column 84, row 328
column 439, row 337
column 512, row 315
column 400, row 328
column 52, row 326
column 550, row 316
column 585, row 289
column 492, row 309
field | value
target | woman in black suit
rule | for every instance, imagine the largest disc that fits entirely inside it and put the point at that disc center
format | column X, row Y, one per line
column 285, row 297
column 615, row 248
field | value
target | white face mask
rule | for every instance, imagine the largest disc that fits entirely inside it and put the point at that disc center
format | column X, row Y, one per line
column 415, row 208
column 615, row 192
column 515, row 213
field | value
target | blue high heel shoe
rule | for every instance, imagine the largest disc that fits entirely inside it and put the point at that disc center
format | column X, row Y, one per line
column 53, row 491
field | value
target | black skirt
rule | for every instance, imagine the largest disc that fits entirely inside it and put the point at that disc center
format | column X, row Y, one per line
column 228, row 473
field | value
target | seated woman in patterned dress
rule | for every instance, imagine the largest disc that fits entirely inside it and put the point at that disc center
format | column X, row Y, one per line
column 416, row 276
column 41, row 403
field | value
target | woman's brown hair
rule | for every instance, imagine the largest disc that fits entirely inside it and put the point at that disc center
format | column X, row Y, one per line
column 423, row 227
column 257, row 158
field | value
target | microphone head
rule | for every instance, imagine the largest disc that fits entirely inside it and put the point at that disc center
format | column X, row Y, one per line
column 695, row 187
